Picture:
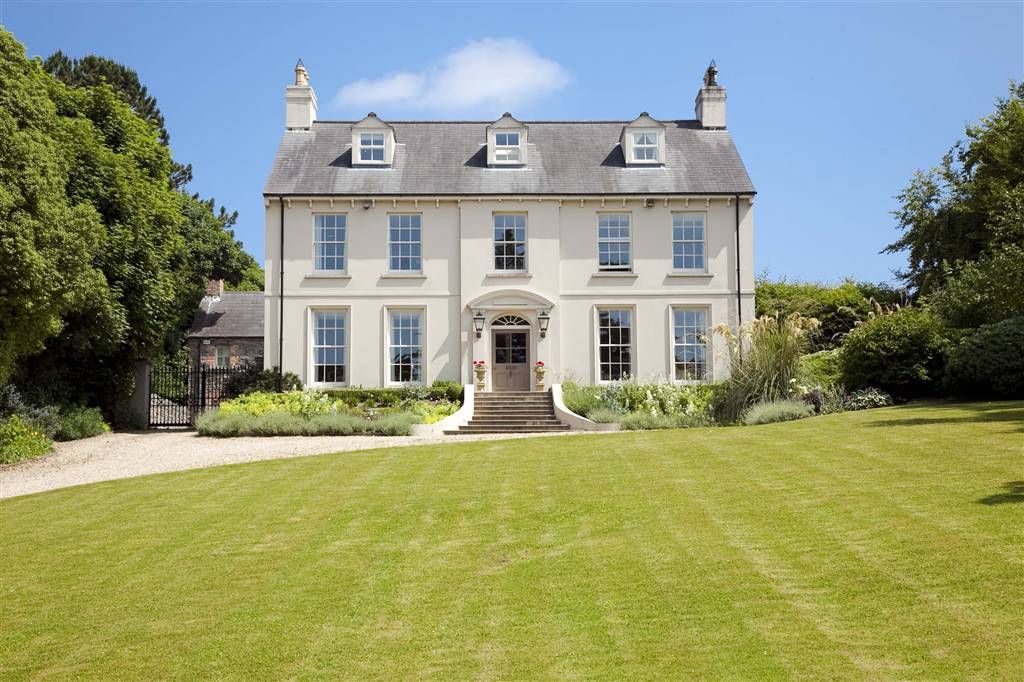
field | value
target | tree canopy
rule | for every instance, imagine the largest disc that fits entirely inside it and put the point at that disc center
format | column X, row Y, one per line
column 970, row 204
column 102, row 259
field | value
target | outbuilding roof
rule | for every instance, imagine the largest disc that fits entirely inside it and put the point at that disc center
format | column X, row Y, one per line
column 234, row 314
column 450, row 158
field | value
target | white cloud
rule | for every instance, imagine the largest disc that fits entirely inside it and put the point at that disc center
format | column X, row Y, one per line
column 488, row 74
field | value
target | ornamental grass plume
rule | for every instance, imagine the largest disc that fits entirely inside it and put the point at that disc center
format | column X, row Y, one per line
column 764, row 360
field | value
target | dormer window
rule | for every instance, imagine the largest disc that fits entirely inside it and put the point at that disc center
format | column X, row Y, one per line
column 506, row 147
column 373, row 142
column 643, row 141
column 645, row 146
column 506, row 142
column 371, row 147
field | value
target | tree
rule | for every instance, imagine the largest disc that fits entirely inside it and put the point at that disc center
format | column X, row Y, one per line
column 47, row 240
column 252, row 278
column 970, row 203
column 985, row 291
column 93, row 70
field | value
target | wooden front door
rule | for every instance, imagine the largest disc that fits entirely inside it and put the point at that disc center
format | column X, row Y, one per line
column 511, row 362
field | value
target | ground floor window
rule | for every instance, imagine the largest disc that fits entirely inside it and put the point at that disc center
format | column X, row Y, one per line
column 615, row 342
column 690, row 344
column 329, row 342
column 223, row 356
column 405, row 346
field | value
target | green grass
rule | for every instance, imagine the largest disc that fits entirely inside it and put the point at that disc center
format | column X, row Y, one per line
column 877, row 544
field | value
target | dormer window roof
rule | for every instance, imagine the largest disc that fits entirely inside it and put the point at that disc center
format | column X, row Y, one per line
column 373, row 142
column 506, row 142
column 643, row 141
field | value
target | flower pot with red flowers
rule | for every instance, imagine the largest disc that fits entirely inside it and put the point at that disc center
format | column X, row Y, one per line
column 539, row 370
column 480, row 371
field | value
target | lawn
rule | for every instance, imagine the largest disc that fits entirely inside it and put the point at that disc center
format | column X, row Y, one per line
column 879, row 544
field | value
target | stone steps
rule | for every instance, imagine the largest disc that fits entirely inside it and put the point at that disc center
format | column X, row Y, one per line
column 512, row 412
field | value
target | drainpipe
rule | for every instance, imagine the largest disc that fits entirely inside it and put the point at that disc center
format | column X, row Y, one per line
column 739, row 286
column 280, row 297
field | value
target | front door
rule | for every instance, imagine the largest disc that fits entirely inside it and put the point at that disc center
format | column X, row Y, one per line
column 511, row 362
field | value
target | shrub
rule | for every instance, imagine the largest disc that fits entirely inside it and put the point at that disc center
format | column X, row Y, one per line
column 866, row 399
column 19, row 440
column 838, row 308
column 645, row 421
column 252, row 378
column 822, row 369
column 990, row 362
column 984, row 291
column 662, row 398
column 220, row 425
column 604, row 415
column 431, row 413
column 764, row 361
column 582, row 400
column 74, row 423
column 403, row 396
column 777, row 411
column 902, row 353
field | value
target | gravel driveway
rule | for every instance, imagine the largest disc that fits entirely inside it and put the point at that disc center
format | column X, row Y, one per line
column 124, row 455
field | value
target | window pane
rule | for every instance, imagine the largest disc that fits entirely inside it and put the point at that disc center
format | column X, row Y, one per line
column 509, row 241
column 690, row 338
column 329, row 242
column 615, row 352
column 404, row 348
column 329, row 346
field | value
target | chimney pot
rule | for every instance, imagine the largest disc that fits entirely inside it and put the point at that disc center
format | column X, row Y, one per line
column 710, row 104
column 299, row 101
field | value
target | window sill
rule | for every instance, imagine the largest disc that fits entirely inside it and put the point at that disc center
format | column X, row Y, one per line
column 511, row 274
column 698, row 275
column 403, row 275
column 615, row 273
column 328, row 275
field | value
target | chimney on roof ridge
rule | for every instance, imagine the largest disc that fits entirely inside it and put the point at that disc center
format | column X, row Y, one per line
column 215, row 288
column 710, row 104
column 300, row 101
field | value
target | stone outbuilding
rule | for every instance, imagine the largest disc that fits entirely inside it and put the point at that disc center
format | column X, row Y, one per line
column 227, row 330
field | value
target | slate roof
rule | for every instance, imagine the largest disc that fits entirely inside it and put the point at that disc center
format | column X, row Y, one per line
column 450, row 158
column 233, row 314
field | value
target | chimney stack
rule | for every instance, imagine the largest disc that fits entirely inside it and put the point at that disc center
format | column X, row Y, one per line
column 710, row 105
column 215, row 288
column 300, row 101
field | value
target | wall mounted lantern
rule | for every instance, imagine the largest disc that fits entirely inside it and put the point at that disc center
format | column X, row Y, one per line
column 544, row 319
column 478, row 323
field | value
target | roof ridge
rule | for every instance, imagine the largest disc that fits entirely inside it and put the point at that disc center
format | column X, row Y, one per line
column 540, row 121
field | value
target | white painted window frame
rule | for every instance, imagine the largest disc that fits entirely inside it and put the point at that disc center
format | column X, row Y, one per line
column 505, row 149
column 525, row 243
column 598, row 309
column 388, row 345
column 703, row 242
column 317, row 243
column 226, row 357
column 657, row 146
column 383, row 147
column 346, row 345
column 399, row 243
column 607, row 240
column 672, row 345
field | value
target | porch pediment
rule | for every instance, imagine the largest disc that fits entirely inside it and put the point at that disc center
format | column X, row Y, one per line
column 510, row 299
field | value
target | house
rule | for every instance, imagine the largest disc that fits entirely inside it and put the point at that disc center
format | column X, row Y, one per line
column 227, row 330
column 403, row 251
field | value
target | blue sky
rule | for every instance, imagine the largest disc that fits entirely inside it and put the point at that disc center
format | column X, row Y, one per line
column 833, row 106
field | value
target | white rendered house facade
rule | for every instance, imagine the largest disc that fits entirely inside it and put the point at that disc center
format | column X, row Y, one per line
column 402, row 252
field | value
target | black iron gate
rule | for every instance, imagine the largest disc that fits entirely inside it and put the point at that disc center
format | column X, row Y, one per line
column 177, row 395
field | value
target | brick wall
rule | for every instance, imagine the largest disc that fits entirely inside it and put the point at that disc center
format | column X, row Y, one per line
column 240, row 351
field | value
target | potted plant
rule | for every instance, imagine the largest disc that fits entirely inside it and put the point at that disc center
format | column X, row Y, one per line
column 539, row 370
column 480, row 370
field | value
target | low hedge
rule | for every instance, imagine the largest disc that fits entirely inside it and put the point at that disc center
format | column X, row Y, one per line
column 221, row 425
column 777, row 411
column 645, row 421
column 990, row 362
column 450, row 391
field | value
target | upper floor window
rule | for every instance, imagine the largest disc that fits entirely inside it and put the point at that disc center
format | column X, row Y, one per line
column 506, row 147
column 688, row 242
column 371, row 147
column 689, row 344
column 510, row 241
column 404, row 243
column 615, row 344
column 405, row 346
column 329, row 347
column 329, row 242
column 613, row 242
column 645, row 146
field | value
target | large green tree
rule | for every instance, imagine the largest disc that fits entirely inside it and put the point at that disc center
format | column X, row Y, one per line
column 93, row 70
column 969, row 204
column 48, row 240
